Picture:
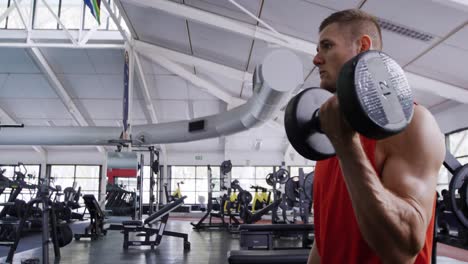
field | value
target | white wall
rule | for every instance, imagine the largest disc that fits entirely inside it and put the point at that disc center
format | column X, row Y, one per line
column 195, row 158
column 252, row 158
column 292, row 158
column 10, row 156
column 75, row 157
column 238, row 158
column 69, row 156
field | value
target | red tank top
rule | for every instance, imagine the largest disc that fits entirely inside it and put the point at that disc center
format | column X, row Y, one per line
column 336, row 230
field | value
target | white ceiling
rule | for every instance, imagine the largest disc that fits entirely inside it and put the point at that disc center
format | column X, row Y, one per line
column 217, row 45
column 424, row 15
column 18, row 61
column 295, row 17
column 165, row 30
column 225, row 8
column 94, row 78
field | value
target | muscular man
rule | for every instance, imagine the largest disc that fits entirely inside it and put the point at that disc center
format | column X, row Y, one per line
column 374, row 202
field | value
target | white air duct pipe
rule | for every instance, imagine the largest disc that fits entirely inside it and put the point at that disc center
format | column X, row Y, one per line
column 280, row 73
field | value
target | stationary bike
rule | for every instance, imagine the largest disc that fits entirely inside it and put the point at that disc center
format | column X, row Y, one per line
column 177, row 194
column 260, row 200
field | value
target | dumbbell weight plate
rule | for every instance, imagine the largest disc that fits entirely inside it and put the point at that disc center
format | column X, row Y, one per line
column 282, row 176
column 458, row 191
column 270, row 179
column 375, row 95
column 290, row 190
column 244, row 197
column 311, row 145
column 226, row 167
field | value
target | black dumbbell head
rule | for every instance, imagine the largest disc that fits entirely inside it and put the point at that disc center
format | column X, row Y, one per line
column 297, row 121
column 375, row 95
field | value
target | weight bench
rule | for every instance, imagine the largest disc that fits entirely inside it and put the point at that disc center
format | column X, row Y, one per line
column 96, row 225
column 292, row 256
column 261, row 236
column 143, row 228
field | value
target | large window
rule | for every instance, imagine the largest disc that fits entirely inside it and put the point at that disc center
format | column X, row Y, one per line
column 74, row 14
column 26, row 194
column 195, row 182
column 127, row 183
column 43, row 18
column 249, row 176
column 3, row 8
column 146, row 184
column 71, row 13
column 130, row 184
column 14, row 20
column 85, row 176
column 186, row 177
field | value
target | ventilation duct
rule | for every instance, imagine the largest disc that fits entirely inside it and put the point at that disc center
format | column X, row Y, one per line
column 280, row 73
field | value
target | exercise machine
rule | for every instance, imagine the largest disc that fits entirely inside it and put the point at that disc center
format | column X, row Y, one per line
column 95, row 229
column 177, row 194
column 260, row 200
column 452, row 206
column 225, row 177
column 61, row 234
column 274, row 179
column 298, row 194
column 145, row 229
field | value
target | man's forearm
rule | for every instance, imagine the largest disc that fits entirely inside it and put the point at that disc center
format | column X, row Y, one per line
column 389, row 224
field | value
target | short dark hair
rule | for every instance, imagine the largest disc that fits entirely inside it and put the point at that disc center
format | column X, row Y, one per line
column 359, row 23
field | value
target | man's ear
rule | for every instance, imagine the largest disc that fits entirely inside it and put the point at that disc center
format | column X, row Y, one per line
column 364, row 43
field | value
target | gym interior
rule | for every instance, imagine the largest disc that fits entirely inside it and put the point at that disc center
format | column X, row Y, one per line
column 168, row 131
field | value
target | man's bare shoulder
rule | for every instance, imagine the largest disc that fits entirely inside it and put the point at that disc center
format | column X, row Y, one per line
column 422, row 139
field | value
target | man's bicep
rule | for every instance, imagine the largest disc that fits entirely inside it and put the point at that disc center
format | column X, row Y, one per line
column 415, row 185
column 413, row 161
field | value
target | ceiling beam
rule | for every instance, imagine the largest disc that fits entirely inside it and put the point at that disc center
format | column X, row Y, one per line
column 7, row 12
column 59, row 89
column 61, row 45
column 9, row 119
column 151, row 50
column 117, row 22
column 123, row 15
column 196, row 80
column 225, row 23
column 149, row 106
column 16, row 35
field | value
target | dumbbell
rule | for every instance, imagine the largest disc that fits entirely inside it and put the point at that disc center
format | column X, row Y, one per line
column 374, row 96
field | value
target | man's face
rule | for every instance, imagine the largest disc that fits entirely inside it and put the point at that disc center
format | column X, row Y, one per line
column 334, row 49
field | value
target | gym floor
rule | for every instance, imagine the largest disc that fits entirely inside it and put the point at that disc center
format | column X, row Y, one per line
column 208, row 246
